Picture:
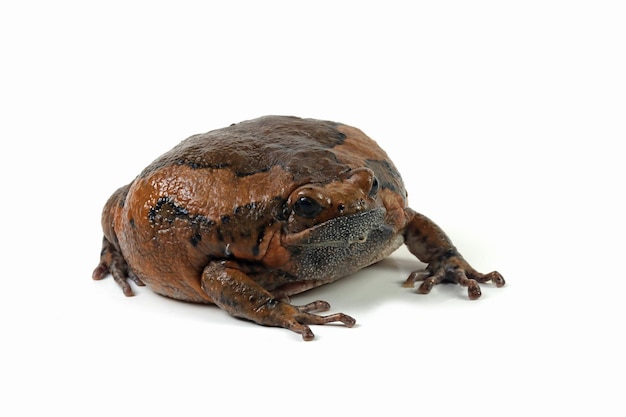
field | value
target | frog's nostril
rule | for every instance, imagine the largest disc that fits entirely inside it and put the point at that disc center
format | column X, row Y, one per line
column 357, row 239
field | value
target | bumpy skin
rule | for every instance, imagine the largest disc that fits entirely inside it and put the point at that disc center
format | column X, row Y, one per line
column 248, row 215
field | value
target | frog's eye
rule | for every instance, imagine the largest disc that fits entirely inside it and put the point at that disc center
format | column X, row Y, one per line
column 375, row 186
column 307, row 207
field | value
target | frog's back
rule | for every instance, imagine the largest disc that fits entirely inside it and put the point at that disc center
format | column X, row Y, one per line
column 309, row 150
column 255, row 146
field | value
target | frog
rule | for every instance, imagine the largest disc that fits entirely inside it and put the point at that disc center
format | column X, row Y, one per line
column 247, row 216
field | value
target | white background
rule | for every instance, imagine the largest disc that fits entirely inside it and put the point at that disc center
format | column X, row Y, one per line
column 505, row 119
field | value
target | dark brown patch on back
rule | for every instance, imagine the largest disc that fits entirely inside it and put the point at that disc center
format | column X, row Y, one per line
column 257, row 145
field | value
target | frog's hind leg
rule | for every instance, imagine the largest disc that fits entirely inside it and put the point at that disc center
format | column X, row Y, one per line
column 236, row 293
column 112, row 261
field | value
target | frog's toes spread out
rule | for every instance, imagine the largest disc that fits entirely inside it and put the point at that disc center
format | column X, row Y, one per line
column 454, row 269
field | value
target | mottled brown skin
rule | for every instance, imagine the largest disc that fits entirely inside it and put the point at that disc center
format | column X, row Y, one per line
column 245, row 216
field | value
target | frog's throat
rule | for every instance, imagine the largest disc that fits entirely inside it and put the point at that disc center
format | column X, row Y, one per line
column 341, row 231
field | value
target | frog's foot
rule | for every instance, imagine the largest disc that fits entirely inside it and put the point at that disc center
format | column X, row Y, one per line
column 451, row 267
column 239, row 295
column 112, row 261
column 297, row 318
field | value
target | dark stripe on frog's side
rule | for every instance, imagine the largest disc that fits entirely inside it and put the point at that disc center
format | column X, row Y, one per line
column 166, row 210
column 237, row 227
column 301, row 147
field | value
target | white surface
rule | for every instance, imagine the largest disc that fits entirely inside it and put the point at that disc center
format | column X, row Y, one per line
column 504, row 120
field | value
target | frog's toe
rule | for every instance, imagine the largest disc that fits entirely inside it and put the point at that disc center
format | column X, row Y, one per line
column 493, row 276
column 299, row 321
column 298, row 318
column 423, row 276
column 460, row 277
column 318, row 305
column 307, row 318
column 101, row 271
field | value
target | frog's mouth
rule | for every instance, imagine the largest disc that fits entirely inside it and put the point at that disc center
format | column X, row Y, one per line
column 341, row 231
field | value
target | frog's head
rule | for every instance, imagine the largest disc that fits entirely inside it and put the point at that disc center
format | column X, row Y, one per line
column 337, row 213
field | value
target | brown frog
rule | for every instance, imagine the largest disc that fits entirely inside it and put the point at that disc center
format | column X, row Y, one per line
column 245, row 216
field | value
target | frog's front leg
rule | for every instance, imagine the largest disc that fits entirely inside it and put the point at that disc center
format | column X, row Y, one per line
column 431, row 245
column 236, row 293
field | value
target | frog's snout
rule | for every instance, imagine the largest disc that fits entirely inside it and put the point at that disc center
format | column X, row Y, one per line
column 341, row 231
